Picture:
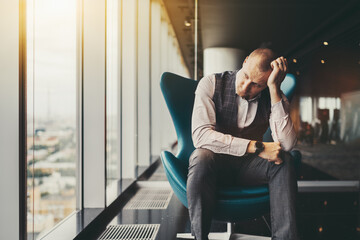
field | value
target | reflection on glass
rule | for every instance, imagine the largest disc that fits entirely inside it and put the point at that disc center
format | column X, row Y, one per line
column 329, row 106
column 329, row 134
column 112, row 98
column 52, row 128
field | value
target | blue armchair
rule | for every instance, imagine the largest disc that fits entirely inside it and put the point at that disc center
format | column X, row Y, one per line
column 234, row 203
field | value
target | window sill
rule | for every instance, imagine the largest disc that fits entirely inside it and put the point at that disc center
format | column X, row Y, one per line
column 90, row 221
column 76, row 222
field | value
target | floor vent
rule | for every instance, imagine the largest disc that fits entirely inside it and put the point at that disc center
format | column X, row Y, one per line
column 131, row 232
column 158, row 176
column 150, row 198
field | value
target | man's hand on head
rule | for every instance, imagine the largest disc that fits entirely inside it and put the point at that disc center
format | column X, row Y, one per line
column 277, row 76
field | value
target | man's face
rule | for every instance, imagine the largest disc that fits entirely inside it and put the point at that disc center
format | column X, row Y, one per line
column 250, row 81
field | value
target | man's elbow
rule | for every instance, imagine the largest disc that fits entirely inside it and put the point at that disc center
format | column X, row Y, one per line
column 196, row 140
column 289, row 145
column 200, row 137
column 196, row 144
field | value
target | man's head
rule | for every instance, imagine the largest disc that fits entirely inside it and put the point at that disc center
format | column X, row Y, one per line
column 253, row 76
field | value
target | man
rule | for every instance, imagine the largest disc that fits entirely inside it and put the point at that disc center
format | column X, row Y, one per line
column 232, row 111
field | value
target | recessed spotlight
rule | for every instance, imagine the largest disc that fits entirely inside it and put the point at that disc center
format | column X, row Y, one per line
column 187, row 23
column 322, row 61
column 294, row 60
column 326, row 43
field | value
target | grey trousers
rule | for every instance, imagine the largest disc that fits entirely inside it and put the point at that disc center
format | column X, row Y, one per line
column 209, row 170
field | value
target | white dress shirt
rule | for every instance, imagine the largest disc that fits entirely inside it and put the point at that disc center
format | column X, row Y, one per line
column 203, row 121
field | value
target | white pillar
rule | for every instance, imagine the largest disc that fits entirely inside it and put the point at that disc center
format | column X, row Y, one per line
column 221, row 59
column 144, row 83
column 164, row 67
column 94, row 104
column 155, row 77
column 129, row 89
column 9, row 120
column 113, row 101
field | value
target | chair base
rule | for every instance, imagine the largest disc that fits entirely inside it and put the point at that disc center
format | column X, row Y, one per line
column 224, row 236
column 228, row 235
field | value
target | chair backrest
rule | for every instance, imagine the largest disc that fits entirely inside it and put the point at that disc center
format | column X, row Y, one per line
column 288, row 86
column 179, row 94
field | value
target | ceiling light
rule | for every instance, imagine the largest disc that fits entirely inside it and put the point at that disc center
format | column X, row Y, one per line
column 294, row 60
column 322, row 61
column 187, row 23
column 326, row 43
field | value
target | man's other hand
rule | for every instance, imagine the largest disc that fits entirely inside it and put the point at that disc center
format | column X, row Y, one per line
column 272, row 152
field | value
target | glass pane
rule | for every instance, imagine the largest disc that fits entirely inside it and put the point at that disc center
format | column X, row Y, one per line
column 112, row 99
column 52, row 113
column 329, row 133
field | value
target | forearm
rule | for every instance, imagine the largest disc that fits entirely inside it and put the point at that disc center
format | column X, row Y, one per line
column 275, row 94
column 206, row 137
column 282, row 128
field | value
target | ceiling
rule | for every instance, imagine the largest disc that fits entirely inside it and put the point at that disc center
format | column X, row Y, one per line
column 294, row 28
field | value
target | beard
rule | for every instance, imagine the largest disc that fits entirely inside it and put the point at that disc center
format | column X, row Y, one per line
column 247, row 96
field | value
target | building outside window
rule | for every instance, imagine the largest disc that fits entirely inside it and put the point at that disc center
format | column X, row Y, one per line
column 52, row 123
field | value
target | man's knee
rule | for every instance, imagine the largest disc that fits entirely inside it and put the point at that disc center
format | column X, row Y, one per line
column 287, row 167
column 288, row 161
column 201, row 156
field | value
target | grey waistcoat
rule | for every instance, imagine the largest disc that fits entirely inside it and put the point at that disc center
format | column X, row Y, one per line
column 227, row 109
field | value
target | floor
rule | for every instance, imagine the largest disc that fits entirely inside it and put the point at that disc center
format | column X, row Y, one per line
column 339, row 162
column 320, row 215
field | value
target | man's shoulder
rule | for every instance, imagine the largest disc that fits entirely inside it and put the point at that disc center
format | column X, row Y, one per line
column 208, row 82
column 206, row 85
column 208, row 79
column 226, row 73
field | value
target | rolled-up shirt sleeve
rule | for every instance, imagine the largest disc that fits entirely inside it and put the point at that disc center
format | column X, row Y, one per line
column 203, row 123
column 282, row 128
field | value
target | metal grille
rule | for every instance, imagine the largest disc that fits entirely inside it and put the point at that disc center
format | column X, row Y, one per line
column 150, row 198
column 158, row 176
column 131, row 232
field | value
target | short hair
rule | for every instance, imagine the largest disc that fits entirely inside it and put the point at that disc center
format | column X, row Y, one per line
column 266, row 56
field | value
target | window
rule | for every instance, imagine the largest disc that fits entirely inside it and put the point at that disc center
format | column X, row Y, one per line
column 52, row 125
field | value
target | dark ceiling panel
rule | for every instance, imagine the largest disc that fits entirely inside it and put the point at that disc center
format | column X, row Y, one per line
column 295, row 28
column 248, row 24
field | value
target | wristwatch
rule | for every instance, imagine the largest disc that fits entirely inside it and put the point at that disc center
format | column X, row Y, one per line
column 259, row 147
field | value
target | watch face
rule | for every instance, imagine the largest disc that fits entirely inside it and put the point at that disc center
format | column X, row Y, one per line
column 259, row 145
